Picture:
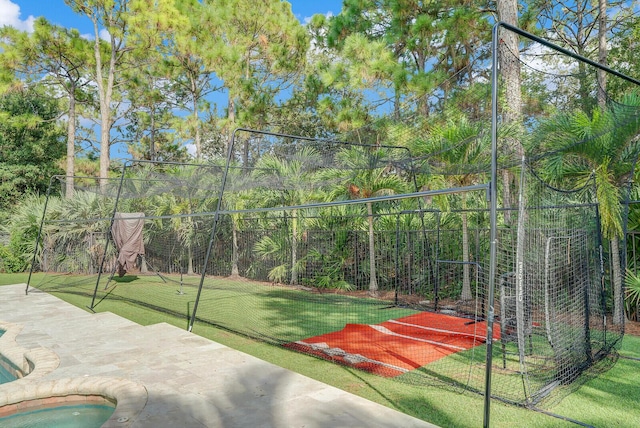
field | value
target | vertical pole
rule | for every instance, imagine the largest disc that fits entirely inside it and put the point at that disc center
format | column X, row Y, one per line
column 602, row 273
column 106, row 244
column 436, row 279
column 493, row 203
column 35, row 249
column 214, row 228
column 523, row 323
column 397, row 257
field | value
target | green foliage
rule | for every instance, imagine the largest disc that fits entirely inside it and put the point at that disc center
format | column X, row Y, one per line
column 333, row 268
column 9, row 262
column 278, row 274
column 632, row 295
column 31, row 144
column 256, row 49
column 22, row 227
column 329, row 282
column 602, row 144
column 267, row 246
column 425, row 43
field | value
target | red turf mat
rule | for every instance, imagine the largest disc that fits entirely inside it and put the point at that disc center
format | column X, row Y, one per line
column 397, row 346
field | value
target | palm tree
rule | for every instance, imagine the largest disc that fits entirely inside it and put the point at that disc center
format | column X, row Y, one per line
column 364, row 173
column 335, row 251
column 604, row 144
column 193, row 189
column 83, row 215
column 459, row 144
column 237, row 197
column 23, row 226
column 295, row 184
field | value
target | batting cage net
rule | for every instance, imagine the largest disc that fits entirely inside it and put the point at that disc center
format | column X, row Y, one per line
column 419, row 247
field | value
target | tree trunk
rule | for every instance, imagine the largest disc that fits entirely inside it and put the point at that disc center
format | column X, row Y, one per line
column 466, row 274
column 104, row 150
column 104, row 94
column 616, row 271
column 152, row 134
column 190, row 260
column 234, row 250
column 602, row 52
column 373, row 282
column 71, row 145
column 231, row 115
column 294, row 247
column 510, row 64
column 197, row 139
column 510, row 73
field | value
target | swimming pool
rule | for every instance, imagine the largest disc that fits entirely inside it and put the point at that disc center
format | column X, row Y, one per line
column 8, row 371
column 6, row 376
column 61, row 416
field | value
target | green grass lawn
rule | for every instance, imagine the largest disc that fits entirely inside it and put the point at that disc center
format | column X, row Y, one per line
column 609, row 400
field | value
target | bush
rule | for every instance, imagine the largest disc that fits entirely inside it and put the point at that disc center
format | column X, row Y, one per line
column 632, row 295
column 9, row 262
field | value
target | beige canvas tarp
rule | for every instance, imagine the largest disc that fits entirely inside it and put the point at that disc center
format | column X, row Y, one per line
column 127, row 234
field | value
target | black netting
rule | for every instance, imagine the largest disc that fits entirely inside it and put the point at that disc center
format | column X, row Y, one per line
column 375, row 251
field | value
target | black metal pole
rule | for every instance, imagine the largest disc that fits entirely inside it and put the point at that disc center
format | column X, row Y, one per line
column 214, row 227
column 106, row 244
column 559, row 49
column 397, row 255
column 35, row 250
column 493, row 204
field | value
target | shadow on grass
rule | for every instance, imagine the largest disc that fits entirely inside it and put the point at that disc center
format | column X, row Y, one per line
column 297, row 314
column 407, row 399
column 605, row 397
column 125, row 279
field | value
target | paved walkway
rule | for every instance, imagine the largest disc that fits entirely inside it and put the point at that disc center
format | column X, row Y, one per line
column 163, row 376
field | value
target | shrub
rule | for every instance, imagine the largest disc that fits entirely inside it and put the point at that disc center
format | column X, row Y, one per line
column 632, row 295
column 9, row 262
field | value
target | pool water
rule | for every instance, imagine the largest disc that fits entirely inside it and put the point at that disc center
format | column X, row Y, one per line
column 5, row 375
column 76, row 416
column 7, row 371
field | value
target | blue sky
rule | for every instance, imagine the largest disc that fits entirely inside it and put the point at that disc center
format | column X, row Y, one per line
column 21, row 13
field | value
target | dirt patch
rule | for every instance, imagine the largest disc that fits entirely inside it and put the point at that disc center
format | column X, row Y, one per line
column 632, row 328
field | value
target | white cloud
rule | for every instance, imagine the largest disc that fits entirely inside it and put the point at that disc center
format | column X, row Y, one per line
column 104, row 35
column 191, row 149
column 10, row 15
column 307, row 19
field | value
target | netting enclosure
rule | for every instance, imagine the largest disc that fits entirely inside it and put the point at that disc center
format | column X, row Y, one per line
column 417, row 252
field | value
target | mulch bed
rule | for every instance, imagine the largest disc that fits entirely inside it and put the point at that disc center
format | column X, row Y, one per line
column 632, row 328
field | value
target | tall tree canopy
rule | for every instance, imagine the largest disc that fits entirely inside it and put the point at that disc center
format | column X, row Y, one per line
column 256, row 49
column 55, row 57
column 430, row 41
column 31, row 144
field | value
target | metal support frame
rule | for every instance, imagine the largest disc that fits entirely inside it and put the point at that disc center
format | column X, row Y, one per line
column 494, row 177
